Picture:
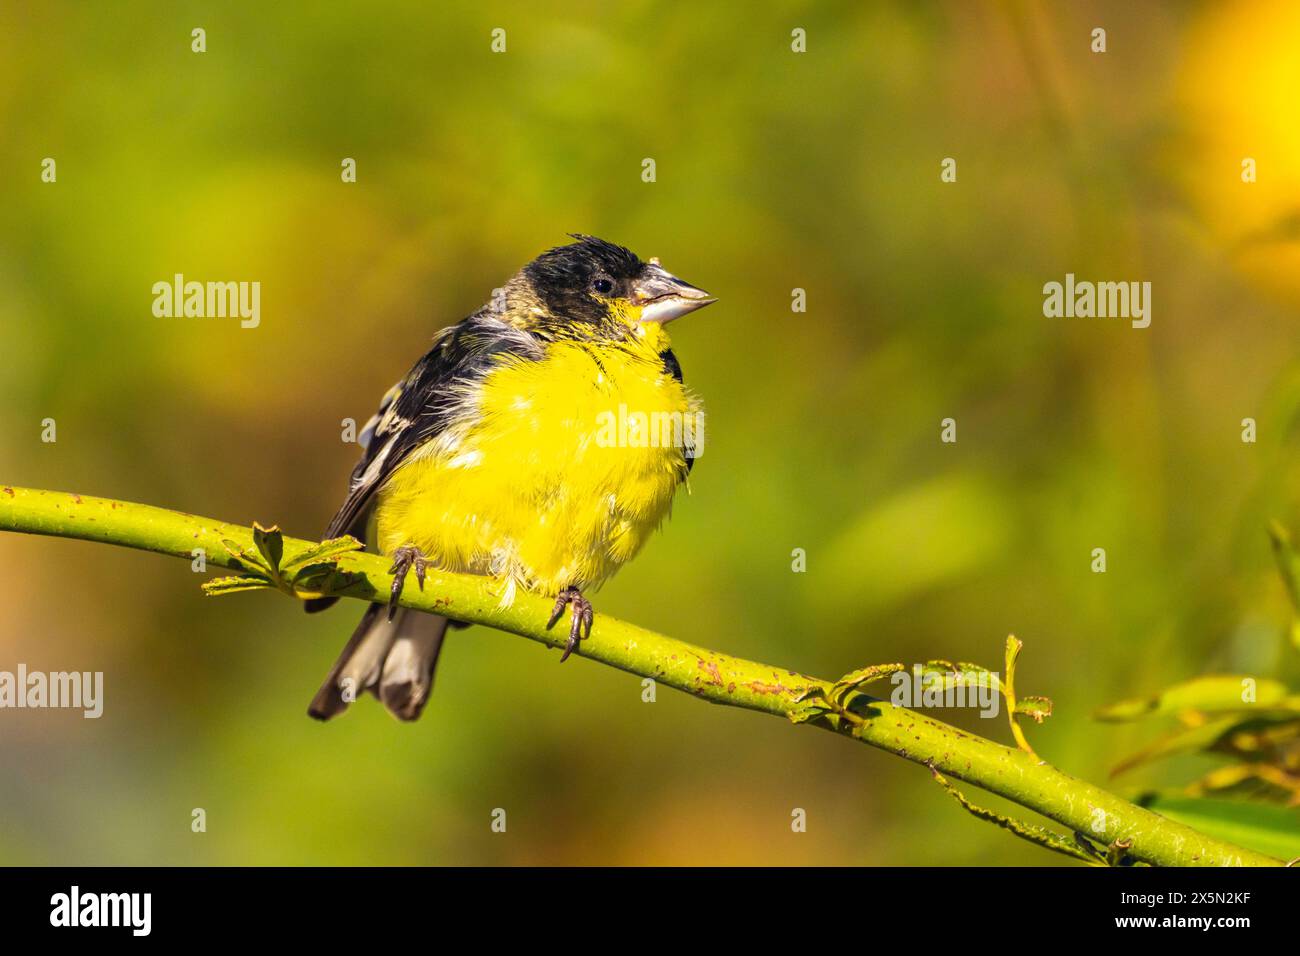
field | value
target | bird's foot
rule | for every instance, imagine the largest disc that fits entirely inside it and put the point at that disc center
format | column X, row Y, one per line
column 405, row 558
column 583, row 615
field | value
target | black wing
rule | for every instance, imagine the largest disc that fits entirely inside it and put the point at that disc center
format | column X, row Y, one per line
column 420, row 406
column 674, row 368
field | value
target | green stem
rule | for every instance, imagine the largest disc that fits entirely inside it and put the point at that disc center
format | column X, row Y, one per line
column 1014, row 774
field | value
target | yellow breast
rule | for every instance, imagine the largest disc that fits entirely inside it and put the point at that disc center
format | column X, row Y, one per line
column 557, row 474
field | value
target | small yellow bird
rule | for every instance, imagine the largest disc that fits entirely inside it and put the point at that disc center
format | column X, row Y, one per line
column 530, row 444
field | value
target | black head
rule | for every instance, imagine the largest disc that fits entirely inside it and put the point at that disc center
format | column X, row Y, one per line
column 575, row 281
column 592, row 285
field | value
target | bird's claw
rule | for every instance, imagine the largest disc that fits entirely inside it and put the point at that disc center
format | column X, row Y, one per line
column 580, row 625
column 405, row 558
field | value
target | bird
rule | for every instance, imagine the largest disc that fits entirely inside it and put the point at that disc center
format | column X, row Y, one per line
column 521, row 447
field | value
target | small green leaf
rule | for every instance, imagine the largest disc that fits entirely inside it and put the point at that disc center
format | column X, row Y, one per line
column 1268, row 829
column 1037, row 709
column 946, row 674
column 270, row 544
column 229, row 585
column 325, row 575
column 248, row 562
column 1216, row 693
column 326, row 550
column 866, row 675
column 313, row 577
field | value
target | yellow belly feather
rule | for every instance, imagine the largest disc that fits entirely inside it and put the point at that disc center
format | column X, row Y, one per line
column 529, row 488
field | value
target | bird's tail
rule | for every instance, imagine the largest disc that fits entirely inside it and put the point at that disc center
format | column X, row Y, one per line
column 394, row 660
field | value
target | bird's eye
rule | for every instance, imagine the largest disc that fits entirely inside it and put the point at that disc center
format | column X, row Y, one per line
column 603, row 285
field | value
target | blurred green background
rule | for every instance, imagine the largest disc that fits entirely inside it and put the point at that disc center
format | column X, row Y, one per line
column 776, row 170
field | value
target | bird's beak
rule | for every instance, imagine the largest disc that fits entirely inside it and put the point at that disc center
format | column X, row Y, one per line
column 664, row 297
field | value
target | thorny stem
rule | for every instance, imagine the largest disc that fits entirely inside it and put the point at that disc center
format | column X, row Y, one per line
column 1020, row 777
